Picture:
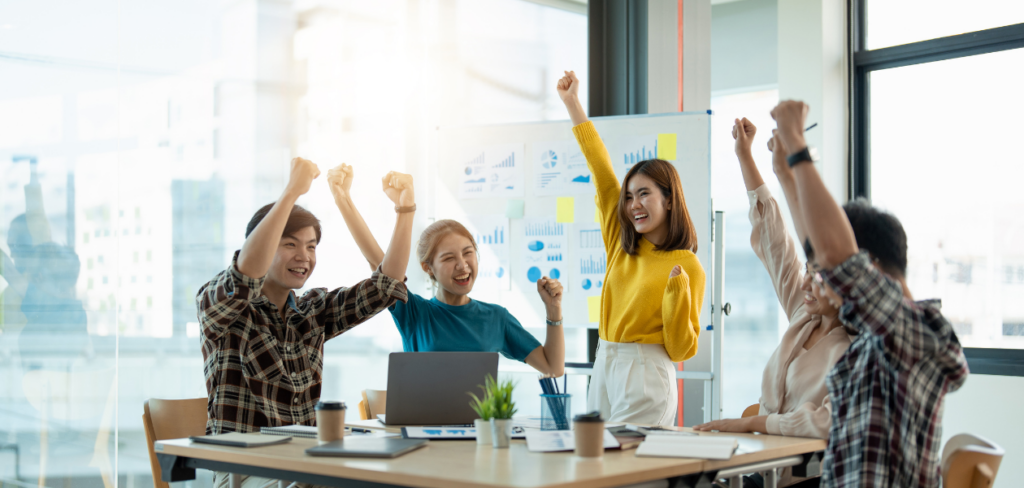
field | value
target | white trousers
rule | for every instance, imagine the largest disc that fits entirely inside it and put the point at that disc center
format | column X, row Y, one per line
column 633, row 383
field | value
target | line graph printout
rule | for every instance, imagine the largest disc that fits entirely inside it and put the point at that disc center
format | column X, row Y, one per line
column 626, row 151
column 545, row 247
column 494, row 171
column 559, row 168
column 491, row 233
column 589, row 260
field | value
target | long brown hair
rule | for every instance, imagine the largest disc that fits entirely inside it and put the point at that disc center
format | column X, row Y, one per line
column 432, row 235
column 681, row 233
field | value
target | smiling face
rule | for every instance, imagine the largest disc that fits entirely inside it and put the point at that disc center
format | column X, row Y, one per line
column 646, row 205
column 454, row 265
column 814, row 302
column 294, row 260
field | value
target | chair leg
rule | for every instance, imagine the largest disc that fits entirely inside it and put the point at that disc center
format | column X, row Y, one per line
column 771, row 478
column 234, row 480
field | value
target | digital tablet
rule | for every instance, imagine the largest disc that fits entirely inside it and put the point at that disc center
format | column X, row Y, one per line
column 368, row 447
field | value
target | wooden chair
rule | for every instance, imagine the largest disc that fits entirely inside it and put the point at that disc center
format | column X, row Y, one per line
column 969, row 461
column 171, row 419
column 751, row 411
column 375, row 402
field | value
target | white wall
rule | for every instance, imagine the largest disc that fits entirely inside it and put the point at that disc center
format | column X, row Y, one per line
column 990, row 406
column 744, row 45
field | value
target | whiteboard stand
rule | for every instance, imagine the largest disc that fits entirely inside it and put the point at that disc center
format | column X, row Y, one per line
column 718, row 312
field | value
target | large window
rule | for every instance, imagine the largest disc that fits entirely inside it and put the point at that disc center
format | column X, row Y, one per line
column 936, row 143
column 138, row 138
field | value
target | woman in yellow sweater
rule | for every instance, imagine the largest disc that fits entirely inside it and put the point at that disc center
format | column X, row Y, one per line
column 654, row 288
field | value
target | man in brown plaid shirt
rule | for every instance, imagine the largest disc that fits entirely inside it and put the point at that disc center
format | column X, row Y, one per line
column 262, row 346
column 887, row 390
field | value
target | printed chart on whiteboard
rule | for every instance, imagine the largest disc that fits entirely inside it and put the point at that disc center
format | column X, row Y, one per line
column 492, row 171
column 560, row 169
column 589, row 259
column 545, row 243
column 492, row 239
column 626, row 151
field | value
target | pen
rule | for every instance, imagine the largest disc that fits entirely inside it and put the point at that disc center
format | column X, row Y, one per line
column 811, row 127
column 357, row 429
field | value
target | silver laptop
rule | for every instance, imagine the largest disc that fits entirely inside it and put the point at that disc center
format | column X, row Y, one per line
column 432, row 388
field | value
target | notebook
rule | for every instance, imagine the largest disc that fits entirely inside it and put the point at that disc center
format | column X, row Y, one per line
column 561, row 440
column 700, row 447
column 368, row 447
column 305, row 431
column 237, row 439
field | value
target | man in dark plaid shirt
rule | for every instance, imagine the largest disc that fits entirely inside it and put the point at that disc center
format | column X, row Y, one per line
column 263, row 347
column 887, row 390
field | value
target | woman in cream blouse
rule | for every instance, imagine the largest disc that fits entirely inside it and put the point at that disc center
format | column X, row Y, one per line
column 794, row 396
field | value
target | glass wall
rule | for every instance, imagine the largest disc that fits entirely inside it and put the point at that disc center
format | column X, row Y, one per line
column 138, row 138
column 753, row 329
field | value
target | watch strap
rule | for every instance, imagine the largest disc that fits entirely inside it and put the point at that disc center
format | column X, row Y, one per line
column 803, row 155
column 554, row 323
column 411, row 208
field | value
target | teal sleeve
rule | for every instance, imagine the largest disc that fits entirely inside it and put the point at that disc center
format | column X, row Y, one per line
column 518, row 342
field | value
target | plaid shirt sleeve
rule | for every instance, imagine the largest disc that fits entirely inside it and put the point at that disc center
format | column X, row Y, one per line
column 344, row 308
column 874, row 303
column 223, row 298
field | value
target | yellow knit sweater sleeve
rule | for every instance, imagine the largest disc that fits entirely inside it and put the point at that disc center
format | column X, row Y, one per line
column 607, row 184
column 680, row 310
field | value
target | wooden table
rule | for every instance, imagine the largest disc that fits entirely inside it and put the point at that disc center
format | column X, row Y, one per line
column 462, row 464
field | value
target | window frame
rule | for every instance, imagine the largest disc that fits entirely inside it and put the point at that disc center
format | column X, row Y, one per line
column 991, row 361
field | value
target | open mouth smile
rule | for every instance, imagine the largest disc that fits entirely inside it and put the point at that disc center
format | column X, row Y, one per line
column 299, row 272
column 640, row 217
column 462, row 279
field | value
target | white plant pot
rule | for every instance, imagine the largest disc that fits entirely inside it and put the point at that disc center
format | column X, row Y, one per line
column 483, row 432
column 501, row 432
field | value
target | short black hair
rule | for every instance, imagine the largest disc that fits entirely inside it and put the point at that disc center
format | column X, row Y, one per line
column 808, row 250
column 880, row 233
column 300, row 218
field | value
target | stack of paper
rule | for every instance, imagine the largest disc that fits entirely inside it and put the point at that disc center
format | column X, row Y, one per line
column 560, row 440
column 701, row 447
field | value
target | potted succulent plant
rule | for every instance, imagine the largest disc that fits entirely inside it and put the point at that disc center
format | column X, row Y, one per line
column 484, row 409
column 502, row 410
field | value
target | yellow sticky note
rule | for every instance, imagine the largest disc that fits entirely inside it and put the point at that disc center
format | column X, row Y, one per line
column 667, row 147
column 594, row 308
column 597, row 215
column 566, row 213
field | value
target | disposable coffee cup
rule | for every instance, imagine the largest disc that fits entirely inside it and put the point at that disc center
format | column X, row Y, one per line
column 589, row 433
column 330, row 421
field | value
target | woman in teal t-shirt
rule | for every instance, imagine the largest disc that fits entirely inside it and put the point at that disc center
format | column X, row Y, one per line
column 451, row 321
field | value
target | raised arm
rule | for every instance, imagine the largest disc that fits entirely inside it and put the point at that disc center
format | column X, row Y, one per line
column 598, row 160
column 398, row 187
column 788, row 182
column 550, row 358
column 340, row 181
column 743, row 133
column 823, row 219
column 258, row 251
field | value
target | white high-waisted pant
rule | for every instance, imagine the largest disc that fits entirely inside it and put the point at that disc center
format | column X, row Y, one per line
column 634, row 383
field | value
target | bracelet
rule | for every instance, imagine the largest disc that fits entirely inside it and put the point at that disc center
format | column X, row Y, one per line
column 554, row 323
column 405, row 209
column 802, row 156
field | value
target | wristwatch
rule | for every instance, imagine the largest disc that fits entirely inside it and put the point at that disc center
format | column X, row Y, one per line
column 554, row 323
column 803, row 155
column 411, row 208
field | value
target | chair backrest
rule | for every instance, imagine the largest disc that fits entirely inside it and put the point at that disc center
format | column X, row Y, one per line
column 364, row 412
column 969, row 461
column 171, row 419
column 376, row 402
column 751, row 411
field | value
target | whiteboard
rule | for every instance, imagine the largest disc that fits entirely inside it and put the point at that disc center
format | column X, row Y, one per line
column 521, row 155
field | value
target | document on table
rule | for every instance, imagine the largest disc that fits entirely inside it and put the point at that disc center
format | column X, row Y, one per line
column 236, row 439
column 700, row 447
column 560, row 440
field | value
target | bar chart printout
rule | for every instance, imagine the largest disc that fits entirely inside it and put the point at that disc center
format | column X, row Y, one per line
column 589, row 259
column 491, row 233
column 626, row 151
column 494, row 171
column 544, row 250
